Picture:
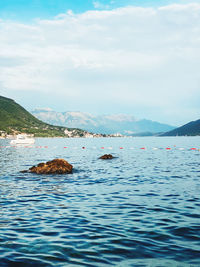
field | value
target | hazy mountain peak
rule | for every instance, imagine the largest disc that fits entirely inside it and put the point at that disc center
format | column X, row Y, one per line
column 79, row 114
column 120, row 117
column 106, row 124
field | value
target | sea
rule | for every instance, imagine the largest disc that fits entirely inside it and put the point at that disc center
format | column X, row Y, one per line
column 141, row 208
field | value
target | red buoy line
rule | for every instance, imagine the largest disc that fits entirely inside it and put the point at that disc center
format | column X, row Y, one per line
column 105, row 148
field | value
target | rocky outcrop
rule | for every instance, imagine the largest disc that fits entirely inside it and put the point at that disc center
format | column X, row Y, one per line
column 107, row 156
column 56, row 166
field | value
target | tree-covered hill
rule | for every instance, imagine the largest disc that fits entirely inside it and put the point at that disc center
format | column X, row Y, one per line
column 15, row 119
column 192, row 128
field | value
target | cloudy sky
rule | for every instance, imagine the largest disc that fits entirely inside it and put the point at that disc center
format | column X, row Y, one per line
column 137, row 57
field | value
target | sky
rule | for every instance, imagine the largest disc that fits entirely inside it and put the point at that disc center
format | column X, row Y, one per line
column 137, row 57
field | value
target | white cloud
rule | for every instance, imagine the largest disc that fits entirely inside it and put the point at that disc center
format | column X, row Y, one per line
column 126, row 57
column 99, row 5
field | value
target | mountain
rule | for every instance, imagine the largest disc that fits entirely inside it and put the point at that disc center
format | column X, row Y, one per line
column 192, row 128
column 15, row 119
column 104, row 124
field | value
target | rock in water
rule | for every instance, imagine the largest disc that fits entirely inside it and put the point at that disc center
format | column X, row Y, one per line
column 107, row 156
column 56, row 166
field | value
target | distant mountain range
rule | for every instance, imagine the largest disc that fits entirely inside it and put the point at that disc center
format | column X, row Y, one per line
column 14, row 119
column 104, row 124
column 191, row 129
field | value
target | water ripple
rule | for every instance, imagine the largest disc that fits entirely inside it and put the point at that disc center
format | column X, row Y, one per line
column 141, row 209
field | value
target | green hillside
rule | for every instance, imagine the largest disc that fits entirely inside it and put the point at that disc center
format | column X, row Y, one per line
column 191, row 129
column 15, row 119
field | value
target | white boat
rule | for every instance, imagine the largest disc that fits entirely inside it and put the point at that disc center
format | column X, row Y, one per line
column 22, row 139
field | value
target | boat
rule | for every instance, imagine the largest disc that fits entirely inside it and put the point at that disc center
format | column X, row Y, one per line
column 22, row 139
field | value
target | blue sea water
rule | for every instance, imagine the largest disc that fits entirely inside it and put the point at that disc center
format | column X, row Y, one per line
column 140, row 209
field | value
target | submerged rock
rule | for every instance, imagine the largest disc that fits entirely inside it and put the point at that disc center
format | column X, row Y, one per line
column 107, row 156
column 56, row 166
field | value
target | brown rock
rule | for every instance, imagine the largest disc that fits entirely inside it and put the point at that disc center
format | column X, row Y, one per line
column 107, row 156
column 56, row 166
column 24, row 171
